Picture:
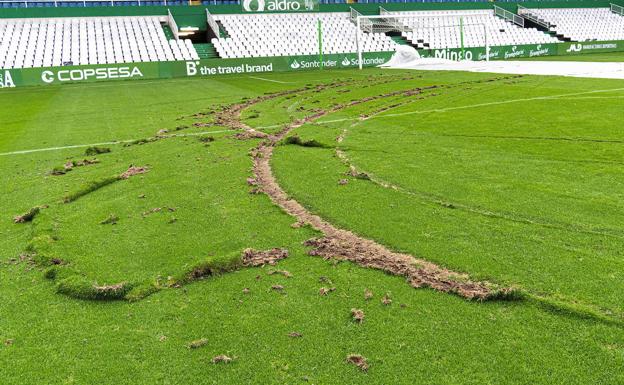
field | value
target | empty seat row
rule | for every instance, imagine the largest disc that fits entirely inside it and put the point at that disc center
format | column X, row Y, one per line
column 583, row 24
column 262, row 35
column 28, row 43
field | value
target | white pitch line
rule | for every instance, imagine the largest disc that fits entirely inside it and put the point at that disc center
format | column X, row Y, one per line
column 269, row 80
column 102, row 143
column 474, row 105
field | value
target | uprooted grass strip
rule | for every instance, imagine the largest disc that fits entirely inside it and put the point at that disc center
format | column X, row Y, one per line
column 74, row 284
column 343, row 244
column 98, row 184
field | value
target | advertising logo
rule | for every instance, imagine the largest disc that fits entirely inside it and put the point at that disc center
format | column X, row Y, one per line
column 6, row 81
column 280, row 5
column 295, row 64
column 83, row 74
column 575, row 48
column 253, row 5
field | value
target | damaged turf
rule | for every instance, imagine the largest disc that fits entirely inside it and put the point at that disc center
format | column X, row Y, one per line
column 132, row 171
column 343, row 244
column 253, row 257
column 357, row 315
column 29, row 215
column 359, row 361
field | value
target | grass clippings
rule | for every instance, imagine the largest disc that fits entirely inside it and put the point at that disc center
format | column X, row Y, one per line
column 368, row 294
column 386, row 300
column 324, row 290
column 285, row 273
column 111, row 220
column 196, row 344
column 295, row 335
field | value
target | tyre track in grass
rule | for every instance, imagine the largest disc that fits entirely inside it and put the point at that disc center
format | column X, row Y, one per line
column 439, row 201
column 340, row 243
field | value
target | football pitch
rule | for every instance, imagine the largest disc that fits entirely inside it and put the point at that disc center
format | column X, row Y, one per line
column 127, row 207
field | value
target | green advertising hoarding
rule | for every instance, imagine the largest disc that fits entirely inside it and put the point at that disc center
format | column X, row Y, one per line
column 10, row 78
column 590, row 47
column 503, row 52
column 260, row 6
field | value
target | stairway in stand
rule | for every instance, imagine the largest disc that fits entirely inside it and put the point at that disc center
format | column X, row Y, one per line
column 206, row 51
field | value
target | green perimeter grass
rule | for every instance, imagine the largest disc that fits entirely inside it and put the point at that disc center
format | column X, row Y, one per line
column 597, row 57
column 435, row 338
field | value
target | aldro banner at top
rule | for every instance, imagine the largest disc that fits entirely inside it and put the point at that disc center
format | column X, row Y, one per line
column 259, row 6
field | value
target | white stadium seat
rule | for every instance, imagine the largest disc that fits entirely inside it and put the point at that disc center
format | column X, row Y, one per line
column 583, row 24
column 441, row 29
column 263, row 35
column 28, row 43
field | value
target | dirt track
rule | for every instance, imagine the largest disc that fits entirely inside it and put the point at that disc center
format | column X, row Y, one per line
column 343, row 244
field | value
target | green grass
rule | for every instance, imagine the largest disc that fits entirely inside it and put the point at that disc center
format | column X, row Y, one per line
column 536, row 198
column 595, row 57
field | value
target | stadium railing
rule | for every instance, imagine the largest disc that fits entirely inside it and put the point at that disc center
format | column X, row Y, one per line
column 117, row 3
column 510, row 16
column 617, row 9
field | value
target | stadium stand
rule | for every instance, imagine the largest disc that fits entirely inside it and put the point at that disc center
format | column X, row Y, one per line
column 26, row 43
column 440, row 29
column 583, row 24
column 293, row 34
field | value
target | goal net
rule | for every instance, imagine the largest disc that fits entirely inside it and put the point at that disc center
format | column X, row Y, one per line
column 450, row 34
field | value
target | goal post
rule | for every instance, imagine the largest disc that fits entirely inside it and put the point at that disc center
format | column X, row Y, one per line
column 389, row 22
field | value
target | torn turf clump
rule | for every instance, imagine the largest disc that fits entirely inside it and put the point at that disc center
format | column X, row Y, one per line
column 29, row 215
column 370, row 255
column 253, row 257
column 133, row 170
column 359, row 361
column 94, row 150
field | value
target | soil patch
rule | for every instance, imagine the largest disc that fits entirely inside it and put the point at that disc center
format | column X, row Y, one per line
column 253, row 258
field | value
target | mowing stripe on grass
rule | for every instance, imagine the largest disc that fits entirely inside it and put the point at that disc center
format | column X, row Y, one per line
column 102, row 143
column 472, row 106
column 560, row 96
column 269, row 80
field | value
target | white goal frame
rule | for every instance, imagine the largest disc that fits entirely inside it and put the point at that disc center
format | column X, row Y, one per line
column 367, row 18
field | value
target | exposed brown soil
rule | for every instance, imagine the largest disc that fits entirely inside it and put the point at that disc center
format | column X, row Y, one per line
column 295, row 335
column 358, row 361
column 357, row 315
column 132, row 171
column 338, row 243
column 253, row 258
